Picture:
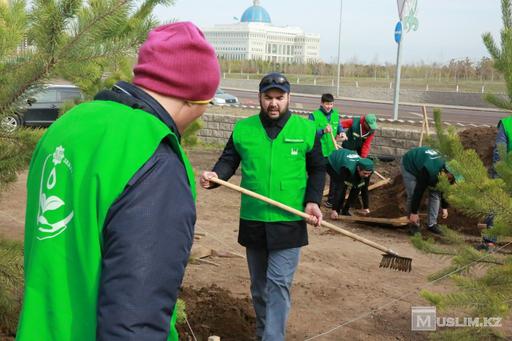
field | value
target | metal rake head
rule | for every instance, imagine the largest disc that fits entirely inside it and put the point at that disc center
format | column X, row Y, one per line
column 396, row 262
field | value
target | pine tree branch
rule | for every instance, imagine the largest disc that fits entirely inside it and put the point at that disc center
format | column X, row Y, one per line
column 45, row 70
column 506, row 14
column 93, row 23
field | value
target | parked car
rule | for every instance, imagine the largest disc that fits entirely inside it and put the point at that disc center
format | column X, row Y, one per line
column 222, row 97
column 42, row 109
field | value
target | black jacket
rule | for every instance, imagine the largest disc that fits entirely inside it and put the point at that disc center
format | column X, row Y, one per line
column 147, row 238
column 284, row 234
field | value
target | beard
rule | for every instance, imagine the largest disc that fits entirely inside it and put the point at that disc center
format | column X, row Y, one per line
column 270, row 108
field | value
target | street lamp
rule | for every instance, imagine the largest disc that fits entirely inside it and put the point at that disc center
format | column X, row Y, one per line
column 339, row 52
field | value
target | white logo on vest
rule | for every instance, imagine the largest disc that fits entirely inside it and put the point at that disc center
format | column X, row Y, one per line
column 433, row 154
column 51, row 207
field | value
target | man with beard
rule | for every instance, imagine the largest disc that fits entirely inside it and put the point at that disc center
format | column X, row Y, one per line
column 281, row 158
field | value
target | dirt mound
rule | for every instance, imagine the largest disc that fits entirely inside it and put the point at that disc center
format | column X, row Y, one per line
column 214, row 311
column 482, row 140
column 390, row 200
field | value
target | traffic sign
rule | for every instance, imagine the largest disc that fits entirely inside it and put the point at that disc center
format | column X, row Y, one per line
column 398, row 32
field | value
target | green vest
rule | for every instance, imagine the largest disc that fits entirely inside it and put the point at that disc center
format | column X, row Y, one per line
column 355, row 139
column 78, row 170
column 273, row 168
column 344, row 158
column 507, row 126
column 417, row 158
column 321, row 122
column 348, row 159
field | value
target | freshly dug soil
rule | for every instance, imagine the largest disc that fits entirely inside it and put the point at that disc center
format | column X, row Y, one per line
column 482, row 140
column 214, row 311
column 390, row 201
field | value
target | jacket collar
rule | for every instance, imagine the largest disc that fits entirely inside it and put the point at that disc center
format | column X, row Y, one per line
column 136, row 98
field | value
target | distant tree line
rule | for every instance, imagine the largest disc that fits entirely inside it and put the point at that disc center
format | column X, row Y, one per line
column 455, row 70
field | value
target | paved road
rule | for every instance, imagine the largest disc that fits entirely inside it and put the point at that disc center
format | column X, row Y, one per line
column 385, row 110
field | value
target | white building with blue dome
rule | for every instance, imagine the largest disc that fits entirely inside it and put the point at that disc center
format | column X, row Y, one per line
column 255, row 38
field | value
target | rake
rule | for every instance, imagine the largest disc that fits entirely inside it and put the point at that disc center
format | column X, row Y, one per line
column 390, row 259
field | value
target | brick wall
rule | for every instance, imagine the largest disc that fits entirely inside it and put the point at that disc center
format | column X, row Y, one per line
column 393, row 141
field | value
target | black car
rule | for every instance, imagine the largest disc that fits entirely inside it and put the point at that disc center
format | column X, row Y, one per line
column 42, row 109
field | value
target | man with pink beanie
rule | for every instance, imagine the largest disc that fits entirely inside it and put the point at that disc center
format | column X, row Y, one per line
column 110, row 206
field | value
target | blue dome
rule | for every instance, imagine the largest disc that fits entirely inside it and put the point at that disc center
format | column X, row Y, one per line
column 256, row 13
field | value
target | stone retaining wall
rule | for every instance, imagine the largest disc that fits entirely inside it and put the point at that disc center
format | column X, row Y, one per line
column 388, row 140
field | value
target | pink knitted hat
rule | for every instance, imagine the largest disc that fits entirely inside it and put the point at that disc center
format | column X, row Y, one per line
column 177, row 61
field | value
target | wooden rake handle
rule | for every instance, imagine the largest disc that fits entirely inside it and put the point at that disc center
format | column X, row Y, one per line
column 302, row 214
column 334, row 141
column 380, row 175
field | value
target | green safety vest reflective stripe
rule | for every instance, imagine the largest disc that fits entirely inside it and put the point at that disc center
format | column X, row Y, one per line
column 321, row 122
column 273, row 168
column 78, row 170
column 507, row 127
column 417, row 158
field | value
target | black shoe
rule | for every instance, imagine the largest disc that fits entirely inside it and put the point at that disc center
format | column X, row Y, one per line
column 435, row 229
column 413, row 229
column 347, row 213
column 328, row 204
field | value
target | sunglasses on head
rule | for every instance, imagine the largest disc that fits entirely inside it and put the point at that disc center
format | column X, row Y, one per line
column 274, row 79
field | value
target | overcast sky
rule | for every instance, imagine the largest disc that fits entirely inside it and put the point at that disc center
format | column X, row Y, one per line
column 447, row 28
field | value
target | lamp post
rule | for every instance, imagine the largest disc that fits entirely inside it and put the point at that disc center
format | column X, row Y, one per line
column 339, row 52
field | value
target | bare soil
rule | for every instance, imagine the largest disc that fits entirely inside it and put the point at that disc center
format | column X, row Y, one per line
column 339, row 291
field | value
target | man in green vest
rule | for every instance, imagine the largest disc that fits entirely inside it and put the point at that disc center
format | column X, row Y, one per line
column 503, row 138
column 420, row 168
column 281, row 158
column 110, row 205
column 349, row 171
column 328, row 129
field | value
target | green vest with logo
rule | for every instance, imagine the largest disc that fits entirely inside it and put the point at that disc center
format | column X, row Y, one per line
column 507, row 127
column 355, row 139
column 344, row 158
column 321, row 122
column 78, row 170
column 273, row 168
column 417, row 158
column 348, row 159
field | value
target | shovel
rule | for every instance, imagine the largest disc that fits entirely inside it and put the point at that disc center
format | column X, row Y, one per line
column 390, row 259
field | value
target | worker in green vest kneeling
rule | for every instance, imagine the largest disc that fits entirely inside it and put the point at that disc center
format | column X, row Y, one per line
column 281, row 158
column 351, row 172
column 329, row 130
column 111, row 201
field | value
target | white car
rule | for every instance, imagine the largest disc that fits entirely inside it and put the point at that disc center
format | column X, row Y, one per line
column 222, row 98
